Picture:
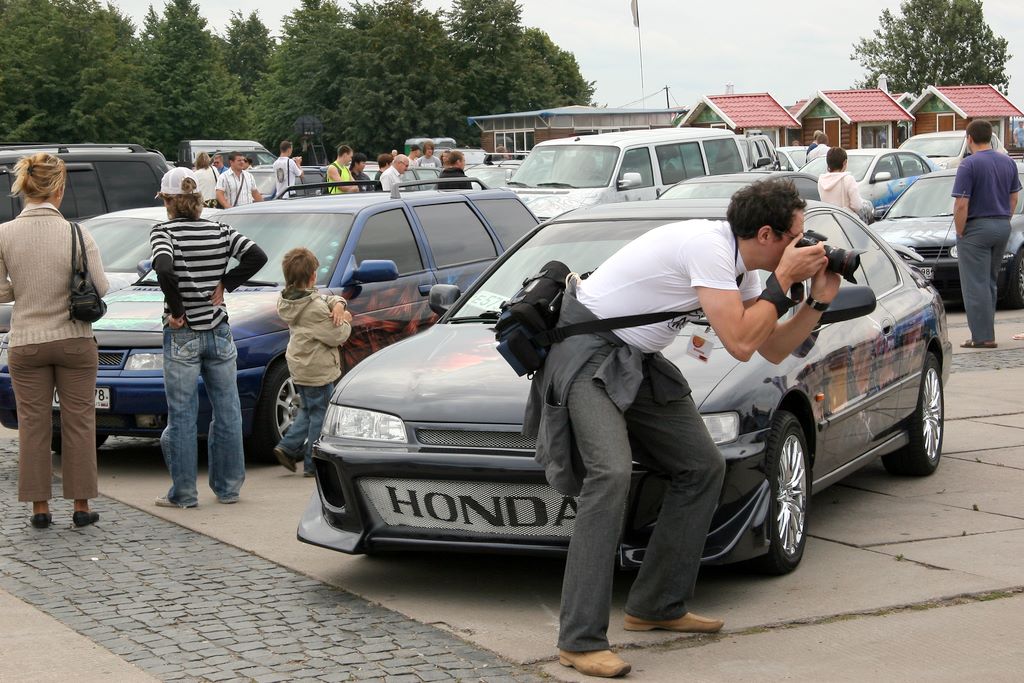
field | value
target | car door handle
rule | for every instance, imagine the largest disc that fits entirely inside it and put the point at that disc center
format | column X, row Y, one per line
column 425, row 289
column 887, row 326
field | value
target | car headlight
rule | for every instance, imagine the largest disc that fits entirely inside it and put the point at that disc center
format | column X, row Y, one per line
column 355, row 423
column 952, row 251
column 145, row 361
column 723, row 427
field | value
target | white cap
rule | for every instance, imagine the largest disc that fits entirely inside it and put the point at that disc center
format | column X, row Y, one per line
column 171, row 182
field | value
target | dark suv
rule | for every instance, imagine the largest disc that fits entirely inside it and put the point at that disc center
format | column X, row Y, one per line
column 101, row 178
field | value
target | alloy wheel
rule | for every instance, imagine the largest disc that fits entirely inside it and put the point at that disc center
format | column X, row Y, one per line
column 286, row 405
column 931, row 414
column 792, row 495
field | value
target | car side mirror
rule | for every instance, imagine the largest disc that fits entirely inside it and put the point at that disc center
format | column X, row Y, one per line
column 143, row 267
column 372, row 270
column 442, row 297
column 850, row 302
column 629, row 180
column 762, row 162
column 881, row 177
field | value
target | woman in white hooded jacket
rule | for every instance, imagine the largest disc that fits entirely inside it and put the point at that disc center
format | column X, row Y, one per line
column 839, row 187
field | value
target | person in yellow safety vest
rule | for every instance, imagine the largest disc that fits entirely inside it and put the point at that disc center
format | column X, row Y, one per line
column 338, row 171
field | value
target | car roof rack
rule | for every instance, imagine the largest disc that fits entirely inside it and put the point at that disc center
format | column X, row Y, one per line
column 65, row 148
column 396, row 190
column 375, row 184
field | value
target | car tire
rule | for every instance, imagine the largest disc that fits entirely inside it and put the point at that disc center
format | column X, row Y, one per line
column 921, row 456
column 789, row 477
column 275, row 410
column 1013, row 297
column 56, row 441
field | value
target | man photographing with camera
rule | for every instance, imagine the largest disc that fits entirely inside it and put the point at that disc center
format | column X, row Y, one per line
column 600, row 393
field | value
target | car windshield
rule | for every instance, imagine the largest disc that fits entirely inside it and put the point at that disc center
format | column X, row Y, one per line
column 857, row 166
column 122, row 242
column 926, row 197
column 581, row 246
column 276, row 233
column 799, row 156
column 492, row 176
column 938, row 147
column 567, row 166
column 707, row 190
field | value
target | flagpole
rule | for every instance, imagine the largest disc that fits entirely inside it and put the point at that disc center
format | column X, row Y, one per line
column 640, row 46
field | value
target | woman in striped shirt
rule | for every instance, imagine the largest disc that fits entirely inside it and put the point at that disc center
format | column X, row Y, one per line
column 190, row 257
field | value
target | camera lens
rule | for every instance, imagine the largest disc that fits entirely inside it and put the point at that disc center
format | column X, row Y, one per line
column 843, row 262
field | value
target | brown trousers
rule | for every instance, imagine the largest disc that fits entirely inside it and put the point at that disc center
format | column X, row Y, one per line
column 69, row 365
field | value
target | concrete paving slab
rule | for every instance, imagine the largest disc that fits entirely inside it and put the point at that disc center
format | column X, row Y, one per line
column 38, row 648
column 964, row 436
column 996, row 556
column 980, row 393
column 1016, row 420
column 864, row 518
column 1011, row 458
column 959, row 482
column 984, row 645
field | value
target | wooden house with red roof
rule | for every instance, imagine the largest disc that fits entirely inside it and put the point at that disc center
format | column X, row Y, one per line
column 952, row 107
column 853, row 119
column 742, row 113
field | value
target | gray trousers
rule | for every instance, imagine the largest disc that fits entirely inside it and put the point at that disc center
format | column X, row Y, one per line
column 980, row 251
column 676, row 443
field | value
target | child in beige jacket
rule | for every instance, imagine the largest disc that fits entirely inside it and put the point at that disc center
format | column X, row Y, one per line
column 317, row 326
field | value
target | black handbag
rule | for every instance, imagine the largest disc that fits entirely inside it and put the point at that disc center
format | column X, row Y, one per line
column 85, row 303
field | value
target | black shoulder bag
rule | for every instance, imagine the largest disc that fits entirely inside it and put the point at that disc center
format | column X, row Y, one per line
column 85, row 303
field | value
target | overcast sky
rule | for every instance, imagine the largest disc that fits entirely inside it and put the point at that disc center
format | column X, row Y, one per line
column 790, row 48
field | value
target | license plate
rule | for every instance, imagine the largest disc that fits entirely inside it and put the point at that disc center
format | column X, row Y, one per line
column 926, row 271
column 102, row 399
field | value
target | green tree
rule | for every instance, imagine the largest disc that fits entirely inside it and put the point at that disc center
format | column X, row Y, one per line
column 69, row 73
column 248, row 49
column 553, row 74
column 401, row 82
column 933, row 42
column 196, row 96
column 306, row 74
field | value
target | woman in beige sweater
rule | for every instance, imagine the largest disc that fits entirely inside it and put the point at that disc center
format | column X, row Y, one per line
column 47, row 348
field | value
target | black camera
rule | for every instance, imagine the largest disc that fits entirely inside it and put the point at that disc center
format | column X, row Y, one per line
column 841, row 261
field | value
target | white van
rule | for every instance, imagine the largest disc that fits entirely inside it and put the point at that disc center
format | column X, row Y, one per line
column 561, row 175
column 188, row 150
column 947, row 149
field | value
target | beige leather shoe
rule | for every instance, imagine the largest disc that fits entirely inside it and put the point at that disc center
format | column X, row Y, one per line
column 688, row 623
column 601, row 663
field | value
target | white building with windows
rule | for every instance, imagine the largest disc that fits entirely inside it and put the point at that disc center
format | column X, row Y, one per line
column 520, row 131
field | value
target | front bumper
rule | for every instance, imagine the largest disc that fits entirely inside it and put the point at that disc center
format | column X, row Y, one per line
column 376, row 500
column 138, row 402
column 946, row 276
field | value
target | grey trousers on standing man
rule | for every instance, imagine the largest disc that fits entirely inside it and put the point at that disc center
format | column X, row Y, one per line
column 672, row 440
column 979, row 254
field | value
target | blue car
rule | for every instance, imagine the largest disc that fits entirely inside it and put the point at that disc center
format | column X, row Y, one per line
column 380, row 252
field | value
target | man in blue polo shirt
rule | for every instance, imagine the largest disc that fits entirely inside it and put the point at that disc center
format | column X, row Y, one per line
column 985, row 191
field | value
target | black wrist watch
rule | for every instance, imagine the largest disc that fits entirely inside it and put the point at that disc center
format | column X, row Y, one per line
column 819, row 306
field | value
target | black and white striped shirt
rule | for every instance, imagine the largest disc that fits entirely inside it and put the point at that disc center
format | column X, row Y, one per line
column 191, row 259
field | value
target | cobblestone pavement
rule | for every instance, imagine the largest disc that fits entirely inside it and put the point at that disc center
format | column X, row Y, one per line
column 185, row 607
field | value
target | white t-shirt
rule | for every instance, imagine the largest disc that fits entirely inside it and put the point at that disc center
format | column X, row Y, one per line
column 428, row 161
column 286, row 173
column 819, row 151
column 389, row 177
column 237, row 186
column 659, row 271
column 206, row 182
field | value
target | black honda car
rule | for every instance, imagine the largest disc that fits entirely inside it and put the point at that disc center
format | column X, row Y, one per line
column 922, row 220
column 422, row 448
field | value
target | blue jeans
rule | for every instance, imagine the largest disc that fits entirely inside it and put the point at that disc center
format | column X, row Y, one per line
column 305, row 430
column 189, row 354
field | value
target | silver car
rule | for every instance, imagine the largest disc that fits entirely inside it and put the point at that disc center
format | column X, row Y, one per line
column 881, row 174
column 946, row 149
